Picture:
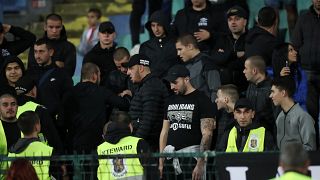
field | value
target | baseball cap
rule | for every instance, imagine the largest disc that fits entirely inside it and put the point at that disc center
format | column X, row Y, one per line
column 1, row 28
column 177, row 71
column 237, row 11
column 137, row 59
column 243, row 103
column 24, row 85
column 106, row 26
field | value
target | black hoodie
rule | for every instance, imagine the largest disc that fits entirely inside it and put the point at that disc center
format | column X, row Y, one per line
column 24, row 41
column 160, row 50
column 64, row 51
column 260, row 42
column 5, row 87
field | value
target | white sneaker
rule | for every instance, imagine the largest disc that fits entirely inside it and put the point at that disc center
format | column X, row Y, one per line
column 135, row 49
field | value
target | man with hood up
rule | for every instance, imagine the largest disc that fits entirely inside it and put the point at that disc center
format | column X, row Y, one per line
column 23, row 40
column 161, row 48
column 64, row 55
column 12, row 70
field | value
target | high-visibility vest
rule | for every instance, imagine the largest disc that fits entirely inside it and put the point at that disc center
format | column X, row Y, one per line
column 119, row 168
column 293, row 175
column 28, row 106
column 37, row 148
column 31, row 106
column 254, row 143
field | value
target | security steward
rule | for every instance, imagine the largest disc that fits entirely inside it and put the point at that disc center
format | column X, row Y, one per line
column 27, row 94
column 118, row 141
column 30, row 145
column 247, row 135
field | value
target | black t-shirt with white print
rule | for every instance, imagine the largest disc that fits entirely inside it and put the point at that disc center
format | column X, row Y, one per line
column 184, row 113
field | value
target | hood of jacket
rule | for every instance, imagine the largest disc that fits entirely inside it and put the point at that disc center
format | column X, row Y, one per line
column 257, row 31
column 84, row 89
column 21, row 145
column 11, row 59
column 160, row 18
column 116, row 131
column 98, row 50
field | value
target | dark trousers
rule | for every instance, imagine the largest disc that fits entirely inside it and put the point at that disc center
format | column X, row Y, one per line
column 138, row 8
column 313, row 95
column 187, row 165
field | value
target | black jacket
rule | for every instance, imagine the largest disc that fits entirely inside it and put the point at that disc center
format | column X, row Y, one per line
column 103, row 58
column 161, row 51
column 147, row 109
column 47, row 124
column 24, row 41
column 242, row 136
column 52, row 87
column 260, row 42
column 117, row 82
column 64, row 51
column 266, row 112
column 225, row 122
column 84, row 112
column 306, row 40
column 211, row 19
column 224, row 55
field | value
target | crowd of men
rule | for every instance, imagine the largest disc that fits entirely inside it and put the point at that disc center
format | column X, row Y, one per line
column 197, row 85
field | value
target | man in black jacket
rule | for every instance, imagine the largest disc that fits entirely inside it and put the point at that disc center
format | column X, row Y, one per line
column 228, row 52
column 64, row 55
column 102, row 53
column 247, row 135
column 85, row 110
column 201, row 20
column 161, row 48
column 258, row 92
column 23, row 40
column 306, row 41
column 51, row 81
column 261, row 39
column 147, row 104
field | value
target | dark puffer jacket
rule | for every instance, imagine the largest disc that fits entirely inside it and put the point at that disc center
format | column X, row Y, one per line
column 147, row 109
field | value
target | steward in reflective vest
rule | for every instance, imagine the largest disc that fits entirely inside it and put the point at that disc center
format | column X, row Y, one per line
column 247, row 135
column 26, row 90
column 30, row 145
column 118, row 140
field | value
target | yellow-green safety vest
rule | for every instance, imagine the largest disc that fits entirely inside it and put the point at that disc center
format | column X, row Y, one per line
column 254, row 143
column 37, row 148
column 28, row 106
column 293, row 175
column 31, row 106
column 110, row 169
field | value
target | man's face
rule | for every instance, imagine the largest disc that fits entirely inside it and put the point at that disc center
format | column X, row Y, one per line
column 316, row 4
column 107, row 39
column 157, row 30
column 8, row 108
column 276, row 95
column 92, row 19
column 237, row 24
column 183, row 52
column 53, row 28
column 134, row 74
column 42, row 54
column 119, row 63
column 243, row 116
column 248, row 71
column 13, row 72
column 220, row 100
column 179, row 86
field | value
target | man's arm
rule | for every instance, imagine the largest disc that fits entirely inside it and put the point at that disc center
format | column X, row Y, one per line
column 207, row 127
column 163, row 142
column 307, row 133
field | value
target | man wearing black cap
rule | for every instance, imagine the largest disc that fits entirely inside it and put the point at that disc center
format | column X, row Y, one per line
column 102, row 53
column 23, row 40
column 160, row 48
column 228, row 52
column 188, row 124
column 147, row 104
column 247, row 135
